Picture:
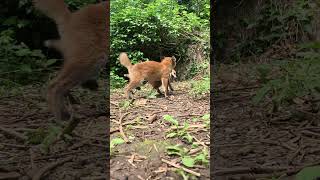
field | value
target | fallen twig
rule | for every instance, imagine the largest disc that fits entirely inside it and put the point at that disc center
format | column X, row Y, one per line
column 120, row 128
column 152, row 118
column 180, row 167
column 50, row 166
column 13, row 133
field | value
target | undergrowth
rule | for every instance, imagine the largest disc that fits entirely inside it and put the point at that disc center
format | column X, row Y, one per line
column 200, row 88
column 297, row 78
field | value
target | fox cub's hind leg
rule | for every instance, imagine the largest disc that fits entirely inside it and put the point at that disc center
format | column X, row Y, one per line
column 165, row 82
column 132, row 85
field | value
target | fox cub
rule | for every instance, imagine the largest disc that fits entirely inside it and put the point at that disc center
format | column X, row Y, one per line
column 83, row 44
column 156, row 73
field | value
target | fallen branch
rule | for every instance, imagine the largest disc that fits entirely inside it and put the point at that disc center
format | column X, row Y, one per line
column 48, row 167
column 180, row 167
column 152, row 118
column 121, row 129
column 13, row 133
column 113, row 130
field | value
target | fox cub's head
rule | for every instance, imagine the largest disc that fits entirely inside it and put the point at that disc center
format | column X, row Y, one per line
column 169, row 60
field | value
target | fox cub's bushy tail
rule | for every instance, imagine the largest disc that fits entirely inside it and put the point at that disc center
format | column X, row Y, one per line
column 124, row 60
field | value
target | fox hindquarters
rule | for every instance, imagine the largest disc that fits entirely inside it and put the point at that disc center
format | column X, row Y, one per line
column 158, row 83
column 90, row 84
column 156, row 73
column 83, row 43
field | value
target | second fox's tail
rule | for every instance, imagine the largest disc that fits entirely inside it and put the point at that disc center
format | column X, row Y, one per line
column 124, row 60
column 55, row 9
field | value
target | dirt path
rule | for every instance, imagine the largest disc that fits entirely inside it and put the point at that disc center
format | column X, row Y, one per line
column 82, row 157
column 145, row 155
column 251, row 143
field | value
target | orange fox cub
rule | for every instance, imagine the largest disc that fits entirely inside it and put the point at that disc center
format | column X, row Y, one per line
column 156, row 73
column 83, row 43
column 173, row 75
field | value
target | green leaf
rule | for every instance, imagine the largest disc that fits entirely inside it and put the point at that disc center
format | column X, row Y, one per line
column 116, row 141
column 50, row 62
column 206, row 117
column 175, row 150
column 171, row 135
column 188, row 137
column 201, row 158
column 309, row 173
column 171, row 120
column 261, row 94
column 22, row 52
column 188, row 161
column 26, row 68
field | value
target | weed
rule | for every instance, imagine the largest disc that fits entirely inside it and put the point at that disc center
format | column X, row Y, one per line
column 116, row 81
column 297, row 79
column 200, row 88
column 152, row 94
column 114, row 142
column 125, row 104
column 309, row 173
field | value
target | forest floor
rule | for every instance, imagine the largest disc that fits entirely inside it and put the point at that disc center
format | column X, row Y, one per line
column 157, row 138
column 25, row 121
column 251, row 142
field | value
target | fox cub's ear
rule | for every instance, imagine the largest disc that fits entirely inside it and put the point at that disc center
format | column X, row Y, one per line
column 173, row 58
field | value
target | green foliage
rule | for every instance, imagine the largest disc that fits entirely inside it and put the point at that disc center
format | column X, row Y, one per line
column 125, row 104
column 116, row 141
column 276, row 22
column 200, row 8
column 116, row 81
column 311, row 173
column 51, row 136
column 152, row 94
column 18, row 63
column 188, row 160
column 206, row 119
column 297, row 79
column 200, row 88
column 37, row 136
column 198, row 68
column 170, row 119
column 181, row 132
column 263, row 72
column 142, row 26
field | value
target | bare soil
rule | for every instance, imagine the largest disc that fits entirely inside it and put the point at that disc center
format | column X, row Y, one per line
column 145, row 154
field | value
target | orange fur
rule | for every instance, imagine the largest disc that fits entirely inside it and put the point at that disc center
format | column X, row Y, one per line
column 156, row 73
column 83, row 43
